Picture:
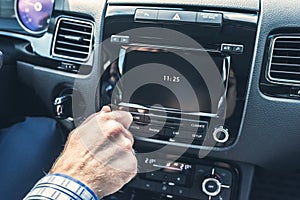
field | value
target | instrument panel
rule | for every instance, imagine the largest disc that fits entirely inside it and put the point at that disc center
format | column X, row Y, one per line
column 34, row 15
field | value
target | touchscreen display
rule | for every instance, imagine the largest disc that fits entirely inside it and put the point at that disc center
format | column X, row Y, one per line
column 164, row 79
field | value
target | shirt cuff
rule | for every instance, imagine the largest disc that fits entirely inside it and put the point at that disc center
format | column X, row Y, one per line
column 60, row 186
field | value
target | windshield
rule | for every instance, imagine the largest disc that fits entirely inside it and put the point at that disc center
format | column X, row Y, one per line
column 7, row 9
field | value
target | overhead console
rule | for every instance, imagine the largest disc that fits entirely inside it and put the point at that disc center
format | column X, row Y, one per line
column 181, row 72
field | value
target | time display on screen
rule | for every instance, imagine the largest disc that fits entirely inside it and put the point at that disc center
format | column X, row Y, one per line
column 34, row 15
column 174, row 79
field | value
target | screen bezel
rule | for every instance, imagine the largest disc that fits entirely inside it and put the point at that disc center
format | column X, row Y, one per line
column 220, row 111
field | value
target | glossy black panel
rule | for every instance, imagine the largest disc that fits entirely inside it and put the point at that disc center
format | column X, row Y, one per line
column 236, row 29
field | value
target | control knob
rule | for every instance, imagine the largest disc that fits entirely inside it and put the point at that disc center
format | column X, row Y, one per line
column 221, row 134
column 211, row 186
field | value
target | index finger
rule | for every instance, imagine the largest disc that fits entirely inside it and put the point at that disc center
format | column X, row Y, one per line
column 123, row 117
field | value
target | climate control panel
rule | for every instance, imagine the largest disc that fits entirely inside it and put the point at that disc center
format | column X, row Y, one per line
column 178, row 180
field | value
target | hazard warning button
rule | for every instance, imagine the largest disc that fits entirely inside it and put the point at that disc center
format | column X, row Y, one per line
column 177, row 16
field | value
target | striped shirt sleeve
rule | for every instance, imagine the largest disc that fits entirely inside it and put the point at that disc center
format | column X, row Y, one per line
column 60, row 187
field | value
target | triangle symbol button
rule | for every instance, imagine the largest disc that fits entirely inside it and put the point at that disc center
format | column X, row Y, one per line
column 176, row 17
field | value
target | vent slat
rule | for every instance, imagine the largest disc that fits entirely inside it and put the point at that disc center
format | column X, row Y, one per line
column 64, row 36
column 289, row 42
column 285, row 60
column 75, row 24
column 73, row 44
column 284, row 72
column 286, row 57
column 75, row 31
column 287, row 64
column 285, row 49
column 73, row 39
column 71, row 50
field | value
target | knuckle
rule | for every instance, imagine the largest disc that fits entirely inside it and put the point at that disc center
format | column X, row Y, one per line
column 104, row 117
column 116, row 128
column 128, row 144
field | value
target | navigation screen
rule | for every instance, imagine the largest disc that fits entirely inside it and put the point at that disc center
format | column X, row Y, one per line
column 167, row 80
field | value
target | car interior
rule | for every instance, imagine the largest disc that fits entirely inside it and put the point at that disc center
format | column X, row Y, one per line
column 213, row 87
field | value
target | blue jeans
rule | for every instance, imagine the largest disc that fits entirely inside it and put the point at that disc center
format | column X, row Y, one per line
column 27, row 151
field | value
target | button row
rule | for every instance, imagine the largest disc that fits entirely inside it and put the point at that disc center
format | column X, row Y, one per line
column 68, row 67
column 179, row 16
column 232, row 48
column 178, row 135
column 177, row 179
column 164, row 188
column 119, row 39
column 145, row 119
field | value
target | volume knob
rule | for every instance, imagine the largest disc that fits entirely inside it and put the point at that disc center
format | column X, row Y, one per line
column 221, row 135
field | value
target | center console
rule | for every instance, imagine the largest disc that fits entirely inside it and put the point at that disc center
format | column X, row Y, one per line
column 183, row 75
column 182, row 180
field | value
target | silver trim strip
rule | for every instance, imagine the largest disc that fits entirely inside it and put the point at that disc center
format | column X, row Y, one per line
column 171, row 47
column 170, row 110
column 178, row 144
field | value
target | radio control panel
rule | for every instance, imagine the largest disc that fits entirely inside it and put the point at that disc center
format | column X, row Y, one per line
column 188, row 62
column 166, row 129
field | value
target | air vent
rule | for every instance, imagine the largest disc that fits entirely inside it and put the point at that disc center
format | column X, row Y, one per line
column 73, row 39
column 284, row 66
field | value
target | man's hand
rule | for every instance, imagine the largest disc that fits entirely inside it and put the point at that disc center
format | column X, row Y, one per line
column 99, row 152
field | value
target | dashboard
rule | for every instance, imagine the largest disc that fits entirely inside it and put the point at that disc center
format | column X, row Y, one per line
column 213, row 86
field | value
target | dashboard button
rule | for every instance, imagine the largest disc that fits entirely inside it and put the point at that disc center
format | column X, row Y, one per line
column 238, row 49
column 138, row 118
column 157, row 176
column 226, row 48
column 295, row 92
column 124, row 39
column 190, row 135
column 177, row 16
column 168, row 132
column 180, row 191
column 225, row 175
column 202, row 170
column 145, row 14
column 166, row 188
column 136, row 127
column 153, row 130
column 224, row 195
column 209, row 18
column 211, row 186
column 179, row 179
column 115, row 39
column 232, row 48
column 201, row 126
column 221, row 135
column 150, row 186
column 198, row 135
